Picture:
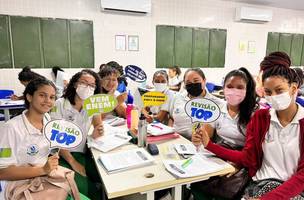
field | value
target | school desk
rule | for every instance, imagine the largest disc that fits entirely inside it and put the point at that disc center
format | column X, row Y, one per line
column 6, row 105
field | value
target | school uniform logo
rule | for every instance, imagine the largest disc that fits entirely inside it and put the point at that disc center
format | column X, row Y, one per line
column 177, row 110
column 32, row 150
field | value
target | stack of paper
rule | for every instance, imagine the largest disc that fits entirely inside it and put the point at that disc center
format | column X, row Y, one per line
column 124, row 160
column 108, row 142
column 197, row 165
column 115, row 121
column 187, row 150
column 157, row 128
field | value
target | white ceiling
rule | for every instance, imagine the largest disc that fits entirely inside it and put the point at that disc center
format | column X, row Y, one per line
column 289, row 4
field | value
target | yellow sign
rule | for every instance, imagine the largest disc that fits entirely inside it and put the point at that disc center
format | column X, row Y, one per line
column 154, row 98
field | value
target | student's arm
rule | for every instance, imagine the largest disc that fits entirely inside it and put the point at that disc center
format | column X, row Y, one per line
column 13, row 172
column 76, row 166
column 161, row 115
column 98, row 126
column 15, row 97
column 121, row 106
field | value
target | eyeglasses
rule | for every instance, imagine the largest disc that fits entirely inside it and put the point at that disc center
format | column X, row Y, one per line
column 86, row 84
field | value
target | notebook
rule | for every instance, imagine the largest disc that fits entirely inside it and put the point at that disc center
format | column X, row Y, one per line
column 157, row 128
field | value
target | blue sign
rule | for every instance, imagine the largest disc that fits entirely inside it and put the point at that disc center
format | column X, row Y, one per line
column 135, row 73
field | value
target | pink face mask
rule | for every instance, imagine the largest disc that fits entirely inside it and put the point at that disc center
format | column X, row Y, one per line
column 234, row 96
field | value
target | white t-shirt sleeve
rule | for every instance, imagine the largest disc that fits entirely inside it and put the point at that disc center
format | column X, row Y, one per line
column 8, row 146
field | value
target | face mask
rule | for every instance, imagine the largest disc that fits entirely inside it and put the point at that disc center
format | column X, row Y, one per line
column 280, row 101
column 160, row 87
column 194, row 89
column 234, row 96
column 84, row 91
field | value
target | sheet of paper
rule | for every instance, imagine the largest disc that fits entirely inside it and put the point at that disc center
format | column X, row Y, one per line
column 108, row 142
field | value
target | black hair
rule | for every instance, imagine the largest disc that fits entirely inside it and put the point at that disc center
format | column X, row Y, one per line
column 70, row 91
column 300, row 74
column 33, row 86
column 55, row 69
column 28, row 75
column 116, row 66
column 176, row 69
column 161, row 72
column 278, row 64
column 197, row 70
column 102, row 66
column 250, row 102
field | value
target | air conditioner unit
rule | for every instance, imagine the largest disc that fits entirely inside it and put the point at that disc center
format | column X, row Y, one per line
column 128, row 6
column 254, row 15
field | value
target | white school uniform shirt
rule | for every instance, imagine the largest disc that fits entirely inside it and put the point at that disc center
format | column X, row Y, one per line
column 281, row 148
column 166, row 105
column 174, row 81
column 63, row 109
column 26, row 143
column 182, row 122
column 227, row 128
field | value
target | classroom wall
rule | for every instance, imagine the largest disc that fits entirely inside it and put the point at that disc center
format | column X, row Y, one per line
column 195, row 13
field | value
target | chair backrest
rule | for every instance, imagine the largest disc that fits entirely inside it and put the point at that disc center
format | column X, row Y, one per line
column 5, row 94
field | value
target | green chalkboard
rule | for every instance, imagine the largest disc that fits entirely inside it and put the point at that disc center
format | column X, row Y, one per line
column 5, row 50
column 296, row 49
column 183, row 46
column 55, row 42
column 285, row 42
column 200, row 51
column 82, row 43
column 272, row 42
column 164, row 46
column 26, row 42
column 217, row 48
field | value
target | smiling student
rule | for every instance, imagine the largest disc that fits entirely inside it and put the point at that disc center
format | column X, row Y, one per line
column 70, row 107
column 274, row 148
column 23, row 148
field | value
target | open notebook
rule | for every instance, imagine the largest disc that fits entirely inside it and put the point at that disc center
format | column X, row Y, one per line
column 125, row 160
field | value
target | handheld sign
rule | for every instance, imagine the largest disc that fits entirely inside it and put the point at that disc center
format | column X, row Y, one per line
column 99, row 103
column 135, row 73
column 63, row 134
column 202, row 110
column 154, row 98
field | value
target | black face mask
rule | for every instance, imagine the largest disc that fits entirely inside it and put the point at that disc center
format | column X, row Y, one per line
column 194, row 89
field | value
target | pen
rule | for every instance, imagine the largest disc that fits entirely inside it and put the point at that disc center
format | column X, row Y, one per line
column 161, row 128
column 187, row 163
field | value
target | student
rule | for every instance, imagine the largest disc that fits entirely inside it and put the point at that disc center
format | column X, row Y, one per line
column 174, row 78
column 160, row 113
column 300, row 92
column 122, row 82
column 195, row 81
column 81, row 86
column 109, row 85
column 23, row 148
column 25, row 76
column 61, row 80
column 274, row 148
column 230, row 129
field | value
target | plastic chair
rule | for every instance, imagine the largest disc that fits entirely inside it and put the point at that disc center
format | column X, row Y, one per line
column 5, row 94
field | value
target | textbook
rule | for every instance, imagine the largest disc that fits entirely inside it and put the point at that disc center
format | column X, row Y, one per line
column 157, row 128
column 196, row 165
column 108, row 142
column 125, row 160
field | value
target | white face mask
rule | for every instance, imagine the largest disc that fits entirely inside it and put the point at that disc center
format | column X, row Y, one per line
column 280, row 101
column 84, row 91
column 160, row 87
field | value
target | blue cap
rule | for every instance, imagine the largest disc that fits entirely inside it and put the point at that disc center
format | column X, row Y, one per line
column 130, row 98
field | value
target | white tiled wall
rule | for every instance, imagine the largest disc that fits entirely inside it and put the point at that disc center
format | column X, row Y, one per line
column 197, row 13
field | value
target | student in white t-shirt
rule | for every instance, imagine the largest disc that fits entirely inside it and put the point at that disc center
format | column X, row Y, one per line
column 81, row 86
column 174, row 78
column 24, row 149
column 160, row 113
column 195, row 82
column 229, row 130
column 109, row 82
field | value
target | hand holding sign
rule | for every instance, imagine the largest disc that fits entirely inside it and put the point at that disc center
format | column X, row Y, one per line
column 99, row 103
column 63, row 134
column 154, row 98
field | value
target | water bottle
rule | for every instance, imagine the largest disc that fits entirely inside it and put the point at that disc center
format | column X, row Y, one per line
column 142, row 131
column 129, row 109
